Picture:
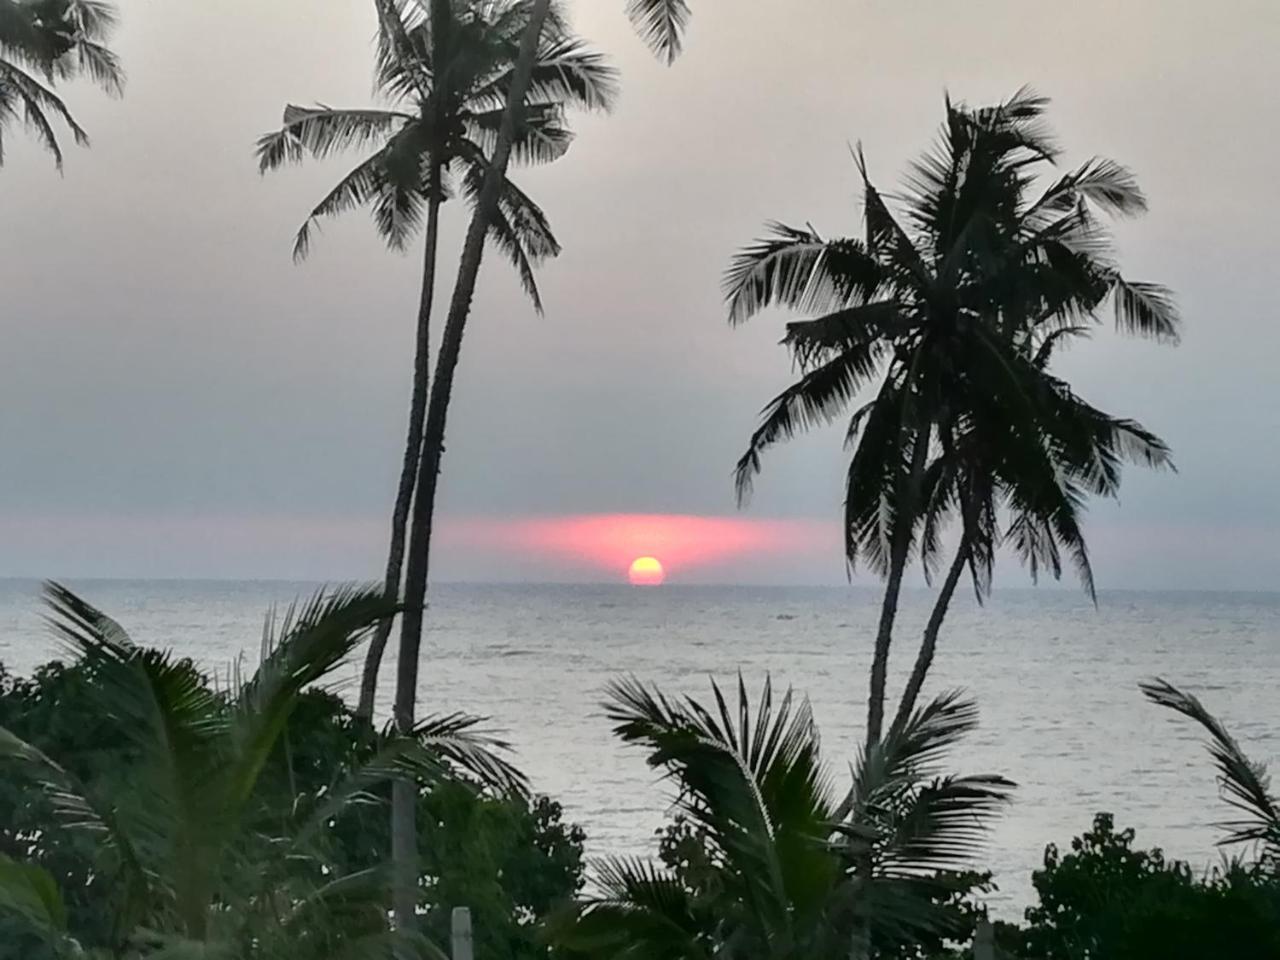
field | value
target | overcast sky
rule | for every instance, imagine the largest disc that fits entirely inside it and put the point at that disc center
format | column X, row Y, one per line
column 178, row 399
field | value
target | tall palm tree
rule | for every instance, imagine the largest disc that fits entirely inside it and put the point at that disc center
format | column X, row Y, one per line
column 446, row 77
column 789, row 872
column 942, row 306
column 200, row 852
column 44, row 42
column 661, row 22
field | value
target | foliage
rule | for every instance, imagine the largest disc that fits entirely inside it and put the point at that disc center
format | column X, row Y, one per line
column 954, row 304
column 1245, row 784
column 510, row 858
column 446, row 79
column 683, row 850
column 763, row 860
column 231, row 819
column 1107, row 900
column 45, row 42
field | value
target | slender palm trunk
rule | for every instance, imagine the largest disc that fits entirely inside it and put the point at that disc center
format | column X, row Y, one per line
column 899, row 549
column 403, row 825
column 929, row 643
column 412, row 452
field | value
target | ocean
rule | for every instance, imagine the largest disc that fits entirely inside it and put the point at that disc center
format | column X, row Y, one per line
column 1055, row 678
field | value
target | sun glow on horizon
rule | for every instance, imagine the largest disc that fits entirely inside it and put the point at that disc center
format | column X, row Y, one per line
column 646, row 572
column 609, row 544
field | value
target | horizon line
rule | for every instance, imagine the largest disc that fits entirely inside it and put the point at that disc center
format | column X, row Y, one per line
column 1055, row 588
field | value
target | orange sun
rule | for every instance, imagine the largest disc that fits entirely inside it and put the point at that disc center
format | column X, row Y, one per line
column 646, row 572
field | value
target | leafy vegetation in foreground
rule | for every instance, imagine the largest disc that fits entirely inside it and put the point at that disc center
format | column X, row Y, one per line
column 1105, row 898
column 144, row 811
column 767, row 859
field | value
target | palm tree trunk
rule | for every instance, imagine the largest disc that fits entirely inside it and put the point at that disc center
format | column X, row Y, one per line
column 412, row 452
column 403, row 825
column 893, row 587
column 929, row 643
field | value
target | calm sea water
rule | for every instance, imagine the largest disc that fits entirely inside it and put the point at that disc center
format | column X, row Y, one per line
column 1055, row 678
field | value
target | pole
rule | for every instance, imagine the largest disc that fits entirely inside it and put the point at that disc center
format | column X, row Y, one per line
column 460, row 926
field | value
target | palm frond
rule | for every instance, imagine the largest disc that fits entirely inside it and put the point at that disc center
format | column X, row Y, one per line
column 639, row 911
column 796, row 268
column 661, row 24
column 815, row 399
column 942, row 825
column 70, row 801
column 321, row 131
column 519, row 229
column 1109, row 185
column 849, row 329
column 1245, row 784
column 170, row 717
column 914, row 750
column 451, row 743
column 1145, row 309
column 567, row 72
column 354, row 190
column 397, row 56
column 540, row 137
column 754, row 784
column 37, row 102
column 30, row 892
column 310, row 642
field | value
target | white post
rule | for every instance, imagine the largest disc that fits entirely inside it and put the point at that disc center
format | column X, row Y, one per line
column 984, row 941
column 460, row 925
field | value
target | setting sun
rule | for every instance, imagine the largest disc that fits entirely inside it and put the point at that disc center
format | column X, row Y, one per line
column 646, row 572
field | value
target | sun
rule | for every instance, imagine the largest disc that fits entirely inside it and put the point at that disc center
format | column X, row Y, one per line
column 646, row 572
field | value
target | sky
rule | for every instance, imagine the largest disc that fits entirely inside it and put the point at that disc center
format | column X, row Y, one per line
column 177, row 398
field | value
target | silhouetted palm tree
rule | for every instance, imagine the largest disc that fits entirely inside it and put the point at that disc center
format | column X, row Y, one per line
column 790, row 873
column 985, row 468
column 201, row 856
column 43, row 42
column 947, row 307
column 661, row 22
column 446, row 77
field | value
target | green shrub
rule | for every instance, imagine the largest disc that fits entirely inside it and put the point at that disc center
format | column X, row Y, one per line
column 511, row 860
column 1108, row 900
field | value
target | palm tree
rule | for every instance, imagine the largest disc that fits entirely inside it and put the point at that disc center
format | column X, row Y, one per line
column 43, row 42
column 446, row 77
column 984, row 468
column 200, row 852
column 944, row 307
column 788, row 871
column 1245, row 784
column 661, row 22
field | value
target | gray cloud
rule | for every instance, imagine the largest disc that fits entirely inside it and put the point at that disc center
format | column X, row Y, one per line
column 164, row 362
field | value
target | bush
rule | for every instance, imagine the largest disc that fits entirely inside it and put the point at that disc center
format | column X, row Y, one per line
column 1107, row 900
column 509, row 859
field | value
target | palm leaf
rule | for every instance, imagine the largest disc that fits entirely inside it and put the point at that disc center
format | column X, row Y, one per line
column 638, row 911
column 1145, row 309
column 37, row 100
column 321, row 131
column 1245, row 784
column 817, row 398
column 30, row 892
column 661, row 24
column 308, row 644
column 794, row 267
